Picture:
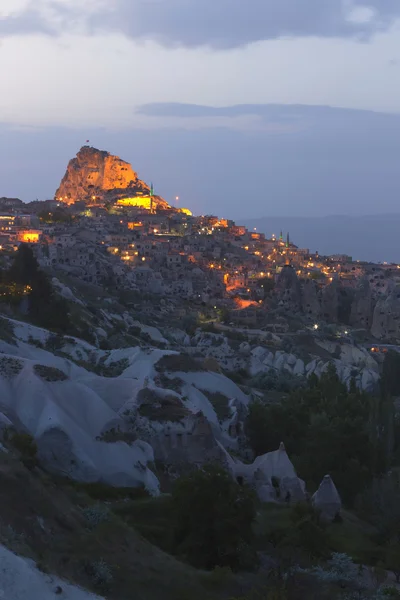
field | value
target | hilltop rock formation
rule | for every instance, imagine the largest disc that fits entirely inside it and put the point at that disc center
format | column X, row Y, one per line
column 95, row 175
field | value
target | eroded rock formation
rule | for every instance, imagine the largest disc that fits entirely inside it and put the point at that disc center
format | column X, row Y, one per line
column 310, row 299
column 362, row 307
column 327, row 500
column 288, row 290
column 95, row 175
column 386, row 320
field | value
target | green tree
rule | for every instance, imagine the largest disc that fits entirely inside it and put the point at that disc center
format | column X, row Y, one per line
column 46, row 308
column 24, row 269
column 214, row 517
column 325, row 428
column 59, row 215
column 390, row 380
column 392, row 558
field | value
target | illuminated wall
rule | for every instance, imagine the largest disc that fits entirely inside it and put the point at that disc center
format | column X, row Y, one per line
column 186, row 211
column 134, row 225
column 29, row 236
column 138, row 201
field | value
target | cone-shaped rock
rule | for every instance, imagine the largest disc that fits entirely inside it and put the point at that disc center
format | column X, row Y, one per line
column 327, row 500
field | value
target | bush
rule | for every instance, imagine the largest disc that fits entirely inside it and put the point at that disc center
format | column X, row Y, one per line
column 54, row 342
column 26, row 446
column 50, row 374
column 95, row 515
column 10, row 367
column 114, row 369
column 161, row 408
column 170, row 383
column 116, row 435
column 313, row 420
column 179, row 362
column 213, row 520
column 99, row 572
column 220, row 404
column 107, row 493
column 7, row 330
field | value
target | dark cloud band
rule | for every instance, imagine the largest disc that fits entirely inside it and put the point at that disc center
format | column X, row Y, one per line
column 233, row 23
column 220, row 23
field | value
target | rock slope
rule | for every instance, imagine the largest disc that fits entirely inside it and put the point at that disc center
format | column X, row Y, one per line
column 20, row 579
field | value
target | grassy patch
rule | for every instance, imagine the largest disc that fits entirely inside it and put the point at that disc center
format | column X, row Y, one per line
column 354, row 537
column 46, row 519
column 350, row 536
column 103, row 492
column 152, row 518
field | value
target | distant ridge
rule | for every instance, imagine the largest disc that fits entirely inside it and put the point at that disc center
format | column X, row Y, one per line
column 372, row 238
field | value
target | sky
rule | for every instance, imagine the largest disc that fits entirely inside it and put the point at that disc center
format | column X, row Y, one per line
column 245, row 108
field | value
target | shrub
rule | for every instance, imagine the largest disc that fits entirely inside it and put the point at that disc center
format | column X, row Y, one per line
column 99, row 572
column 54, row 342
column 10, row 367
column 95, row 515
column 50, row 374
column 161, row 408
column 219, row 577
column 116, row 368
column 35, row 342
column 116, row 435
column 213, row 520
column 7, row 330
column 220, row 404
column 103, row 492
column 26, row 446
column 175, row 383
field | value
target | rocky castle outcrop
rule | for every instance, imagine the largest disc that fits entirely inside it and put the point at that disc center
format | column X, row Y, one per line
column 98, row 176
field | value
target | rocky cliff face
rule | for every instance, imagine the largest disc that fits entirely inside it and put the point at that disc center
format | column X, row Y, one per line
column 330, row 302
column 310, row 299
column 386, row 319
column 287, row 289
column 362, row 307
column 96, row 175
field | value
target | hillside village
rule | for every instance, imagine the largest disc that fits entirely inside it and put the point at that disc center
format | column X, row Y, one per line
column 140, row 343
column 126, row 238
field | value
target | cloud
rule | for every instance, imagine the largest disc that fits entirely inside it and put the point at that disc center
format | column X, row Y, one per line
column 293, row 114
column 25, row 22
column 214, row 23
column 48, row 17
column 234, row 23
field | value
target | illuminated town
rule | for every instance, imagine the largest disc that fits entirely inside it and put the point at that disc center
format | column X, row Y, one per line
column 117, row 232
